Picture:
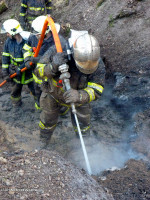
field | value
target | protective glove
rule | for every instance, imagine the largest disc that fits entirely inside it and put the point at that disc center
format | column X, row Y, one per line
column 27, row 64
column 12, row 69
column 35, row 60
column 18, row 71
column 8, row 79
column 58, row 60
column 72, row 96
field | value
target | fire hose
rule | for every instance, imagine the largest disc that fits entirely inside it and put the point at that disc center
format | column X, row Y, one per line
column 65, row 75
column 36, row 51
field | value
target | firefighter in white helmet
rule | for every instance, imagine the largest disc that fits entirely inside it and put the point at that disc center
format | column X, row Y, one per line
column 32, row 43
column 87, row 77
column 13, row 61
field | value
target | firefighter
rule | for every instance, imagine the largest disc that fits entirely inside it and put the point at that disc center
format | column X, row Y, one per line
column 12, row 61
column 30, row 9
column 87, row 77
column 32, row 43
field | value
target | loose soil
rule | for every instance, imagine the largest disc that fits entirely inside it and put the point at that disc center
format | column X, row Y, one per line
column 125, row 51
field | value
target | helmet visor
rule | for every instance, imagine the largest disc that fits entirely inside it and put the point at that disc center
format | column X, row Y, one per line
column 87, row 67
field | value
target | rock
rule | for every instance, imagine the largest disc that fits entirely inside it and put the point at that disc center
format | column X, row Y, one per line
column 21, row 172
column 3, row 160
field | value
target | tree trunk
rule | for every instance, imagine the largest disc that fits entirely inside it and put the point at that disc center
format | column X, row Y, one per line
column 3, row 6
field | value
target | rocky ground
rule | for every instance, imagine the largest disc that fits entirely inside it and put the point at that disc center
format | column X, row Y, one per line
column 127, row 183
column 118, row 147
column 107, row 153
column 59, row 180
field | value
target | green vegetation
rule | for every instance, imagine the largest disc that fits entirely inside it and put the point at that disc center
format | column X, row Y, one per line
column 2, row 7
column 67, row 3
column 111, row 21
column 100, row 3
column 12, row 16
column 67, row 31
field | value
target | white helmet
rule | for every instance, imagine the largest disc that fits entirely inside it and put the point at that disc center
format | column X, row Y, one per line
column 86, row 51
column 38, row 23
column 11, row 26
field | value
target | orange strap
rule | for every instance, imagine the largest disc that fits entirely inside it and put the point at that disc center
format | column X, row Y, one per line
column 41, row 38
column 3, row 83
column 34, row 49
column 57, row 43
column 55, row 34
column 36, row 52
column 56, row 39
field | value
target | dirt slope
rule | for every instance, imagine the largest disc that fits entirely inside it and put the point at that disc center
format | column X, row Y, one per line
column 121, row 115
column 46, row 175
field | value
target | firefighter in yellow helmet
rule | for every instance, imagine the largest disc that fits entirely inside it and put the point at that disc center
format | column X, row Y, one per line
column 87, row 77
column 13, row 61
column 30, row 9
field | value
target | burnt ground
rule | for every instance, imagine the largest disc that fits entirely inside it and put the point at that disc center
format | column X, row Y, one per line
column 132, row 182
column 112, row 121
column 19, row 135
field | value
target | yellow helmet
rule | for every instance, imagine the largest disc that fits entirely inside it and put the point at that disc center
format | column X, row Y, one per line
column 86, row 51
column 11, row 26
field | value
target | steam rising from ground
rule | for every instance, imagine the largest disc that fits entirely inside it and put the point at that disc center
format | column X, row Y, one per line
column 112, row 121
column 103, row 156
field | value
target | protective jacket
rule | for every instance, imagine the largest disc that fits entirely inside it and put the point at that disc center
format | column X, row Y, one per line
column 12, row 58
column 30, row 9
column 33, row 42
column 89, row 86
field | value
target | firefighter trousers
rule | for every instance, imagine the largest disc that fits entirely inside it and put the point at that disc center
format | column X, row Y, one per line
column 51, row 111
column 16, row 92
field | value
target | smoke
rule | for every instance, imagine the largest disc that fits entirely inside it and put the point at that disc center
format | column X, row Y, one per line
column 103, row 156
column 113, row 121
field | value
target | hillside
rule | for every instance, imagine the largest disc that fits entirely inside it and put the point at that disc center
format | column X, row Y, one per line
column 119, row 146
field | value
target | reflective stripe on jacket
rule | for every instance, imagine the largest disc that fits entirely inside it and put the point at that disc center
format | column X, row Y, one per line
column 33, row 42
column 89, row 84
column 28, row 52
column 12, row 57
column 92, row 84
column 35, row 8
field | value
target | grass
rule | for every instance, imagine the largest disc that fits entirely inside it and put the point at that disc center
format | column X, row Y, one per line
column 111, row 21
column 100, row 3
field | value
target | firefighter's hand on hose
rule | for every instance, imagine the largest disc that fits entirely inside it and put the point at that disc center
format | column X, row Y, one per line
column 12, row 69
column 18, row 71
column 72, row 96
column 27, row 64
column 58, row 60
column 8, row 79
column 35, row 60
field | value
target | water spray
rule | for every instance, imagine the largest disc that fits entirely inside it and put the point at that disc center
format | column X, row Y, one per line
column 65, row 75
